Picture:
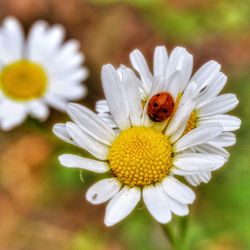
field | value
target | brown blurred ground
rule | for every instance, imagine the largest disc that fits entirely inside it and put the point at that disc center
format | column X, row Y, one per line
column 29, row 219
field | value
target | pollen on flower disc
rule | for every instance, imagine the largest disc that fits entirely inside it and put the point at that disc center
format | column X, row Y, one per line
column 192, row 123
column 140, row 156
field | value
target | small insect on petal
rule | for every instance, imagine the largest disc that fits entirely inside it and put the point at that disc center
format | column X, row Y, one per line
column 160, row 107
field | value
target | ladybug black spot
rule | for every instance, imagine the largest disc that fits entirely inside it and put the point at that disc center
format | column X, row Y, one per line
column 155, row 105
column 165, row 110
column 158, row 95
column 203, row 89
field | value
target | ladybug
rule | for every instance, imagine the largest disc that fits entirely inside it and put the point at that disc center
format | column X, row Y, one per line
column 160, row 107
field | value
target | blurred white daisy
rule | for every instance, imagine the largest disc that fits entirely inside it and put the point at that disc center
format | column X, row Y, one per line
column 210, row 106
column 141, row 156
column 38, row 72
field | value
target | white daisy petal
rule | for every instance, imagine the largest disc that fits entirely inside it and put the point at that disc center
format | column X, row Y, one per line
column 178, row 190
column 157, row 203
column 11, row 40
column 178, row 123
column 87, row 142
column 206, row 84
column 160, row 60
column 89, row 122
column 12, row 114
column 192, row 180
column 189, row 150
column 177, row 208
column 180, row 60
column 186, row 68
column 74, row 75
column 225, row 139
column 189, row 92
column 181, row 172
column 67, row 52
column 228, row 122
column 108, row 119
column 103, row 191
column 212, row 149
column 102, row 107
column 182, row 114
column 205, row 72
column 174, row 83
column 121, row 69
column 56, row 102
column 115, row 96
column 121, row 205
column 159, row 85
column 54, row 37
column 205, row 177
column 214, row 89
column 133, row 96
column 42, row 42
column 139, row 63
column 75, row 59
column 198, row 136
column 75, row 161
column 197, row 179
column 175, row 59
column 196, row 162
column 39, row 110
column 218, row 105
column 36, row 48
column 179, row 131
column 65, row 66
column 61, row 132
column 103, row 112
column 69, row 90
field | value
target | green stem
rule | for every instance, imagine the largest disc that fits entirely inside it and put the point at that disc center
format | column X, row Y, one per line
column 168, row 231
column 183, row 227
column 177, row 237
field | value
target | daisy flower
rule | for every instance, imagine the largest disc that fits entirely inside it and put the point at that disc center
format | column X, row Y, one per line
column 141, row 156
column 210, row 106
column 38, row 72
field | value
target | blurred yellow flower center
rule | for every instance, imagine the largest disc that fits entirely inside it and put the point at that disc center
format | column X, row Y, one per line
column 23, row 80
column 192, row 123
column 140, row 156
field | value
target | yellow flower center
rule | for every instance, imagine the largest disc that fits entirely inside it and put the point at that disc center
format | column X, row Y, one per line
column 23, row 80
column 192, row 123
column 140, row 156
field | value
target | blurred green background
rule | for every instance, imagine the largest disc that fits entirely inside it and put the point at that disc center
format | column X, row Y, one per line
column 42, row 205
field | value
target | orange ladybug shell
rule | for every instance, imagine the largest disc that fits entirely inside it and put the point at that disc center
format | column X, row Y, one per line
column 160, row 107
